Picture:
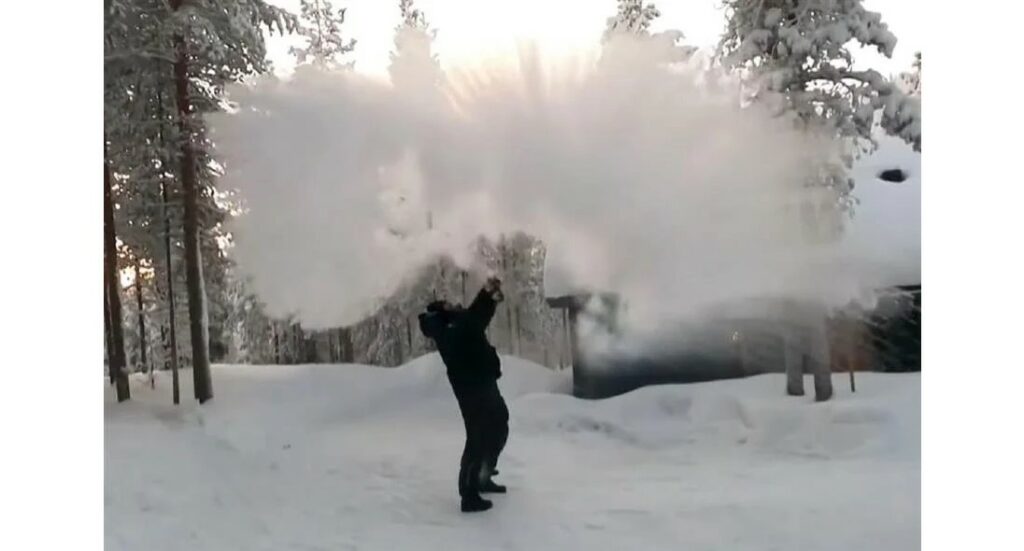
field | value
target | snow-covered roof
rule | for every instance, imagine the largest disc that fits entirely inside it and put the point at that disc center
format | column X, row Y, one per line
column 883, row 237
column 885, row 232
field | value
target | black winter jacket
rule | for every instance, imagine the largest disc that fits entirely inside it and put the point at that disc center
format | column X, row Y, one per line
column 462, row 341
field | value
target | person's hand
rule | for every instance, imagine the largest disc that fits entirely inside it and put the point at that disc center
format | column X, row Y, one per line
column 493, row 286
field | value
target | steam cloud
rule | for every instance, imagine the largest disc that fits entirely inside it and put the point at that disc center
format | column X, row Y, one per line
column 642, row 178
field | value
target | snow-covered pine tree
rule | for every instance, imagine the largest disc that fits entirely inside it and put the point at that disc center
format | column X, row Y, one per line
column 137, row 345
column 901, row 115
column 535, row 322
column 414, row 67
column 214, row 43
column 380, row 339
column 321, row 26
column 910, row 81
column 390, row 335
column 129, row 31
column 140, row 126
column 320, row 23
column 139, row 210
column 251, row 334
column 178, row 56
column 796, row 53
column 517, row 278
column 522, row 324
column 412, row 17
column 633, row 19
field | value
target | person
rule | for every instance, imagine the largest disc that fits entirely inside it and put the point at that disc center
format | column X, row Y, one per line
column 473, row 369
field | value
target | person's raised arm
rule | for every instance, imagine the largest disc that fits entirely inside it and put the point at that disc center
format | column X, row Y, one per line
column 481, row 311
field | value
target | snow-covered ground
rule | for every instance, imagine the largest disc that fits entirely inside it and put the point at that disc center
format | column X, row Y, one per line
column 356, row 457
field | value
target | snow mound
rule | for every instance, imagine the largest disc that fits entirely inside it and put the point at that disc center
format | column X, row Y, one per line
column 361, row 457
column 326, row 393
column 751, row 413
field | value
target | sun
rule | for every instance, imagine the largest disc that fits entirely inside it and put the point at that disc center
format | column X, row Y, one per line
column 480, row 31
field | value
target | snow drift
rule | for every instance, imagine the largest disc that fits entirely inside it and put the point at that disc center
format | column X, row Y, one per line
column 360, row 457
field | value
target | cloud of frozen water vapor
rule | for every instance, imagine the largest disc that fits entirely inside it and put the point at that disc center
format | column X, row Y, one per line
column 639, row 180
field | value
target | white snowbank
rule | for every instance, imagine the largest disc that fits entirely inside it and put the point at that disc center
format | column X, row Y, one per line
column 878, row 421
column 359, row 457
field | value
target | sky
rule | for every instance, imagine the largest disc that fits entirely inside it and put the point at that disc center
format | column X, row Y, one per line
column 469, row 31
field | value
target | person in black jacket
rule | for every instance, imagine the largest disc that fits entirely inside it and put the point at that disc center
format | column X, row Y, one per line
column 473, row 370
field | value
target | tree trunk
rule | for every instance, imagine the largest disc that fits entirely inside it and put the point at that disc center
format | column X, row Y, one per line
column 197, row 314
column 107, row 335
column 348, row 353
column 334, row 346
column 113, row 295
column 567, row 341
column 142, row 319
column 820, row 357
column 465, row 299
column 511, row 331
column 298, row 344
column 408, row 335
column 519, row 332
column 172, row 325
column 339, row 337
column 277, row 344
column 822, row 381
column 166, row 345
column 794, row 359
column 853, row 381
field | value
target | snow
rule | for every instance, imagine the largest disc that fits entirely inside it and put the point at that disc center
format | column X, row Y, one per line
column 884, row 237
column 358, row 457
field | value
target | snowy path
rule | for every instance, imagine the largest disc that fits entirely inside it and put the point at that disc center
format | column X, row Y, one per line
column 352, row 457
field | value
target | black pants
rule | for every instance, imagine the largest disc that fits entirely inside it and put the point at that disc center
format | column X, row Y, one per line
column 485, row 417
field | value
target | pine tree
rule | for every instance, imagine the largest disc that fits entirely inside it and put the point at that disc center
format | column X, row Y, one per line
column 910, row 81
column 165, row 180
column 198, row 317
column 166, row 64
column 250, row 328
column 631, row 26
column 632, row 17
column 214, row 43
column 795, row 57
column 414, row 68
column 131, row 93
column 796, row 54
column 321, row 26
column 901, row 115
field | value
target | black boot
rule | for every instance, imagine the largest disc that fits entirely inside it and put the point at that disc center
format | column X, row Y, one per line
column 491, row 487
column 473, row 504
